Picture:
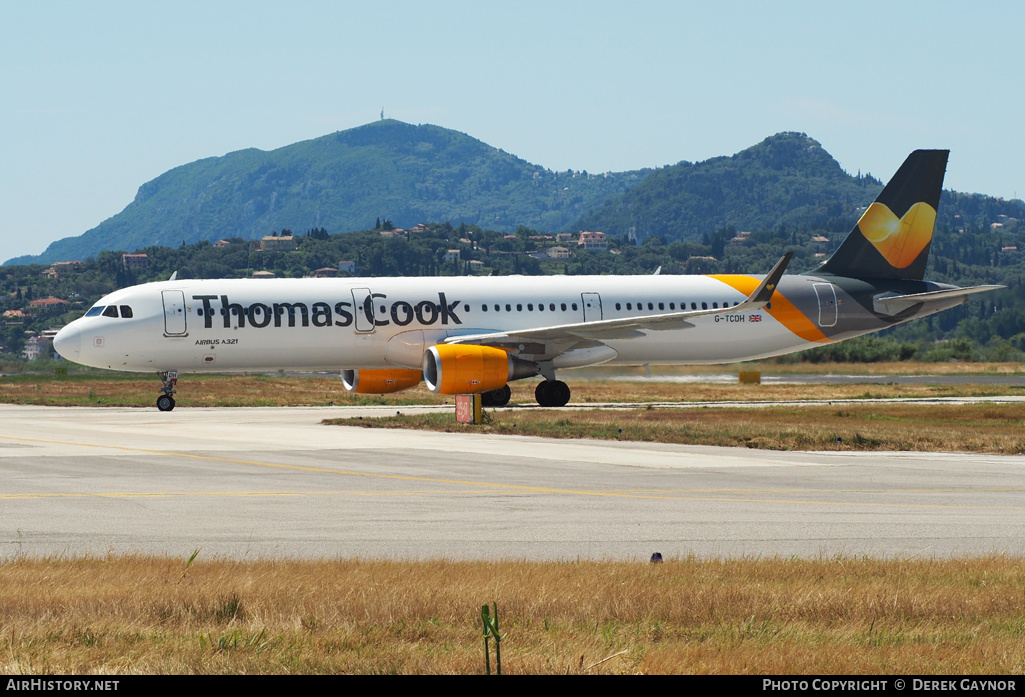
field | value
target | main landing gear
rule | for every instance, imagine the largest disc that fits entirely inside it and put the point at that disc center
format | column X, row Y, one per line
column 496, row 398
column 165, row 402
column 552, row 393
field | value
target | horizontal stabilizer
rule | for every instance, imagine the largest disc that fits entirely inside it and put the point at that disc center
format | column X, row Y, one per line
column 895, row 304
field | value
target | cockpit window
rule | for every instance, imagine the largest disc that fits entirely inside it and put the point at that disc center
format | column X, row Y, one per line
column 110, row 311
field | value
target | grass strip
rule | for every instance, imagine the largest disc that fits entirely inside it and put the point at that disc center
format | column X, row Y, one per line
column 990, row 428
column 121, row 390
column 840, row 615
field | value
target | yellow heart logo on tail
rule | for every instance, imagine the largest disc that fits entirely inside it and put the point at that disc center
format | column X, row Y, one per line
column 899, row 240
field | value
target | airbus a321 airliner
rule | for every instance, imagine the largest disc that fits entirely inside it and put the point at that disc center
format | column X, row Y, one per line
column 469, row 335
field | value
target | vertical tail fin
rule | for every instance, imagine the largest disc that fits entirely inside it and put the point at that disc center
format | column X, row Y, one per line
column 892, row 238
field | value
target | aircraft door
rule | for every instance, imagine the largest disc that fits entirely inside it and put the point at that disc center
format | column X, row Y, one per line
column 592, row 306
column 174, row 312
column 363, row 308
column 826, row 295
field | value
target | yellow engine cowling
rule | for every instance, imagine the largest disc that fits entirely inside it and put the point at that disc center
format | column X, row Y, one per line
column 466, row 368
column 380, row 381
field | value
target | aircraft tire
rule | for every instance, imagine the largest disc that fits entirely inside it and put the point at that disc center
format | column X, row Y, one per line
column 165, row 402
column 559, row 393
column 552, row 393
column 541, row 393
column 499, row 397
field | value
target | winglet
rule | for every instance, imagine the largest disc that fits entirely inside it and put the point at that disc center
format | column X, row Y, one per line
column 763, row 293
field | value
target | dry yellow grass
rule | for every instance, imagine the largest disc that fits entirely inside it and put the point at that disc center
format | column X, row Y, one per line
column 992, row 428
column 770, row 367
column 773, row 616
column 641, row 392
column 107, row 389
column 196, row 391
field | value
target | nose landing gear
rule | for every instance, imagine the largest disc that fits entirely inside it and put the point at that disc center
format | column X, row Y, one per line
column 165, row 402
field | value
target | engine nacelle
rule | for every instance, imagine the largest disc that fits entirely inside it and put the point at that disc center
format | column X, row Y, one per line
column 469, row 369
column 380, row 381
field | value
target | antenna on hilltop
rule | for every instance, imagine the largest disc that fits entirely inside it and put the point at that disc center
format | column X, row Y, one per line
column 382, row 113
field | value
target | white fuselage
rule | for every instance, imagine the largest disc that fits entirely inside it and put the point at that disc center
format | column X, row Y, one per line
column 368, row 323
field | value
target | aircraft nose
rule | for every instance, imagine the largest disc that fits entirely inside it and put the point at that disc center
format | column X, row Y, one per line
column 68, row 342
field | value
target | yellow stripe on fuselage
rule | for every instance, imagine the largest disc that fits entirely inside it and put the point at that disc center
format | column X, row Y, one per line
column 783, row 311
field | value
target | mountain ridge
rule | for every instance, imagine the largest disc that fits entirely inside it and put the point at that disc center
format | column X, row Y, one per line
column 786, row 179
column 411, row 174
column 344, row 181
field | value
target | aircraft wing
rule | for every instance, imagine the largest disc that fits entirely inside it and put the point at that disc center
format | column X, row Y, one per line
column 560, row 338
column 895, row 304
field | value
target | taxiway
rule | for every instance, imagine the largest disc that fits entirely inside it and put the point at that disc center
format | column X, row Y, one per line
column 274, row 482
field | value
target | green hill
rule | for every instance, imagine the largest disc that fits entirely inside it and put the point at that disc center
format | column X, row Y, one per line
column 345, row 181
column 408, row 174
column 787, row 179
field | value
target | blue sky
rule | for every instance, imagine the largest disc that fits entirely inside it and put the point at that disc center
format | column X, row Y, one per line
column 97, row 98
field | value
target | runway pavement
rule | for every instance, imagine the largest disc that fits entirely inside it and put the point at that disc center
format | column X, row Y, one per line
column 274, row 482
